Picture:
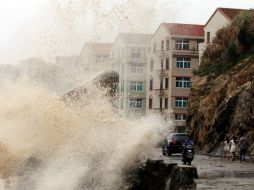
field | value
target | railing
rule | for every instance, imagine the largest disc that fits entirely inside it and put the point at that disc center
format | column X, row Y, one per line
column 185, row 51
column 180, row 122
column 165, row 51
column 160, row 92
column 160, row 72
column 159, row 109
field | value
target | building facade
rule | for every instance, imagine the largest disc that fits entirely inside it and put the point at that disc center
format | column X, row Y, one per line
column 219, row 19
column 67, row 60
column 95, row 56
column 174, row 54
column 129, row 58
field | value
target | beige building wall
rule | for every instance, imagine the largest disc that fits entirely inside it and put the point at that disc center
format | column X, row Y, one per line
column 216, row 22
column 160, row 94
column 126, row 64
column 95, row 56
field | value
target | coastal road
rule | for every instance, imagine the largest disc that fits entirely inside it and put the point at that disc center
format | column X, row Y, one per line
column 218, row 174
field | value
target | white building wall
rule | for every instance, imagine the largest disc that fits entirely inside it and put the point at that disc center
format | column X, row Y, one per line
column 217, row 22
column 121, row 59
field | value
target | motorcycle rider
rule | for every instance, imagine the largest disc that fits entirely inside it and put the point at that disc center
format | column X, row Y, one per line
column 188, row 151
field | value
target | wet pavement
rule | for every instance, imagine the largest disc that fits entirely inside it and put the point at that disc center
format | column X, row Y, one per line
column 218, row 174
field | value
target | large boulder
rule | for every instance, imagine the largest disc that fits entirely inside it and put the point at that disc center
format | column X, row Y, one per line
column 225, row 106
column 182, row 177
column 162, row 175
column 107, row 81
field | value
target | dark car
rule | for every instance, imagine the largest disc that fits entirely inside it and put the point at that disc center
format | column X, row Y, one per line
column 173, row 143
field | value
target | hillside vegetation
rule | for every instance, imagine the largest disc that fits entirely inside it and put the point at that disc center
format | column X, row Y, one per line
column 222, row 92
column 232, row 44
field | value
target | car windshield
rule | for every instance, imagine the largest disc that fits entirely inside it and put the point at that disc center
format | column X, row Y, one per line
column 180, row 137
column 177, row 137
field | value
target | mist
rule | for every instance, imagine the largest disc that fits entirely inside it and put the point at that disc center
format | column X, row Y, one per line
column 61, row 27
column 54, row 146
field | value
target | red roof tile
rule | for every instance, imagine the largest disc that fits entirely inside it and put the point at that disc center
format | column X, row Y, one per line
column 185, row 29
column 229, row 13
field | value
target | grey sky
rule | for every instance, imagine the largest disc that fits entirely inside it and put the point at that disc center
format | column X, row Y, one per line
column 46, row 28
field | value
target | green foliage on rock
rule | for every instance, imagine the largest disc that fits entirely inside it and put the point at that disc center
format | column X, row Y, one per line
column 230, row 45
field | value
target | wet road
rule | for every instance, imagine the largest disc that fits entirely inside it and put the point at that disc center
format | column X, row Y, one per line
column 218, row 174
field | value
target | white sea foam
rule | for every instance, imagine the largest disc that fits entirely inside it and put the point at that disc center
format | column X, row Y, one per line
column 53, row 146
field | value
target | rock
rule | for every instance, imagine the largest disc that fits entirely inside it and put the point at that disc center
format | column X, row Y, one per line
column 153, row 175
column 182, row 177
column 107, row 80
column 162, row 175
column 225, row 107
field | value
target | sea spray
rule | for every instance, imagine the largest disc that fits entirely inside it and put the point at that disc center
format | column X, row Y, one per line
column 70, row 147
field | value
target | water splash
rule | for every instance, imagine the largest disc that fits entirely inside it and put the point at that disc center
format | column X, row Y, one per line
column 53, row 146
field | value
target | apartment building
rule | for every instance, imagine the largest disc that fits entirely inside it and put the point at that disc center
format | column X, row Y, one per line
column 67, row 60
column 174, row 54
column 220, row 18
column 96, row 56
column 129, row 58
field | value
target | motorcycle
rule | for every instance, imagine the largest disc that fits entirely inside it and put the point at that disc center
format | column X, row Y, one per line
column 187, row 153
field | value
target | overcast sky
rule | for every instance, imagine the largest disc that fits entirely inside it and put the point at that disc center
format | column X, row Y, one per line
column 47, row 28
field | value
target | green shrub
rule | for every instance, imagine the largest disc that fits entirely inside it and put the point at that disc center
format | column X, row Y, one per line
column 230, row 45
column 212, row 69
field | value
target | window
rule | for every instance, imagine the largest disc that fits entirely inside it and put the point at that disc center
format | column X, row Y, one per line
column 181, row 102
column 182, row 44
column 161, row 84
column 150, row 103
column 151, row 84
column 160, row 103
column 151, row 65
column 161, row 64
column 154, row 47
column 180, row 116
column 167, row 44
column 118, row 54
column 136, row 86
column 122, row 86
column 166, row 83
column 182, row 82
column 208, row 37
column 136, row 53
column 167, row 63
column 162, row 45
column 166, row 102
column 136, row 103
column 137, row 68
column 183, row 62
column 121, row 103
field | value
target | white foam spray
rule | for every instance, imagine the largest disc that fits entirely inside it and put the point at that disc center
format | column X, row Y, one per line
column 55, row 147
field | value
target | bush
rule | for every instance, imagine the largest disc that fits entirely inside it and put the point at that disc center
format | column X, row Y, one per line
column 229, row 46
column 211, row 69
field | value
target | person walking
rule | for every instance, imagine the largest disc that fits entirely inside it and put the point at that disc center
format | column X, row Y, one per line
column 233, row 147
column 243, row 144
column 226, row 148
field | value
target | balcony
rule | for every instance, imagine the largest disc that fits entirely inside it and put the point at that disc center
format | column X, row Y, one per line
column 179, row 122
column 160, row 92
column 136, row 59
column 160, row 72
column 158, row 110
column 191, row 52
